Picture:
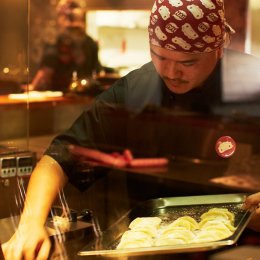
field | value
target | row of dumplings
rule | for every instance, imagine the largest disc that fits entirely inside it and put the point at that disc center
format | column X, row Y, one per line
column 215, row 224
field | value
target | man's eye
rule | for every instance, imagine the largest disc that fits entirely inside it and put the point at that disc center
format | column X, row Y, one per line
column 161, row 58
column 188, row 63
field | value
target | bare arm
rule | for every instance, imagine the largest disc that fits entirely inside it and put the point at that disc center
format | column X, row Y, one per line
column 31, row 237
column 42, row 79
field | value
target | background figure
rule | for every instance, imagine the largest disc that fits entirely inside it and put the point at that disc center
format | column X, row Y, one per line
column 74, row 51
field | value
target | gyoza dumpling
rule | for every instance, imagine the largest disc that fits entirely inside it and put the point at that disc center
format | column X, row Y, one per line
column 145, row 221
column 174, row 229
column 225, row 224
column 165, row 241
column 207, row 236
column 169, row 228
column 221, row 230
column 134, row 244
column 218, row 213
column 183, row 234
column 187, row 222
column 135, row 239
column 175, row 237
column 148, row 225
column 229, row 214
column 134, row 235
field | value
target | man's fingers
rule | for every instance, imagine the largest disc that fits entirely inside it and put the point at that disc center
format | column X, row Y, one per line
column 254, row 222
column 253, row 200
column 29, row 250
column 44, row 250
column 31, row 246
column 10, row 253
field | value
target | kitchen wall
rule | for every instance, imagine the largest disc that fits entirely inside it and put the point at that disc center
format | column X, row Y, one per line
column 118, row 4
column 254, row 27
column 122, row 37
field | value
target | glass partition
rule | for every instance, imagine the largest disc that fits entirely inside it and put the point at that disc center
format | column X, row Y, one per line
column 123, row 132
column 13, row 68
column 16, row 161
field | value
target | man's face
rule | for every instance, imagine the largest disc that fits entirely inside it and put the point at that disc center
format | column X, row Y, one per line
column 182, row 71
column 69, row 21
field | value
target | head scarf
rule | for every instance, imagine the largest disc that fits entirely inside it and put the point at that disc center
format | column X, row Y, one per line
column 188, row 25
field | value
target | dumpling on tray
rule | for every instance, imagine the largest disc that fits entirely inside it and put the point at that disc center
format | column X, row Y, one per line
column 208, row 236
column 135, row 239
column 185, row 222
column 222, row 231
column 145, row 221
column 174, row 236
column 223, row 224
column 148, row 225
column 216, row 224
column 141, row 233
column 218, row 213
column 229, row 214
column 169, row 241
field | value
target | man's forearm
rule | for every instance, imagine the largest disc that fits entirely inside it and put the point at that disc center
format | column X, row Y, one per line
column 46, row 181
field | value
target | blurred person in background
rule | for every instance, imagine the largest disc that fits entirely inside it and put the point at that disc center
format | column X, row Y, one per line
column 75, row 54
column 187, row 40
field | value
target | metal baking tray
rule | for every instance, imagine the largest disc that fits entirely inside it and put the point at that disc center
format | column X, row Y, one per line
column 169, row 209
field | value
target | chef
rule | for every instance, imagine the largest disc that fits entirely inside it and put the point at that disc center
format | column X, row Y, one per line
column 187, row 41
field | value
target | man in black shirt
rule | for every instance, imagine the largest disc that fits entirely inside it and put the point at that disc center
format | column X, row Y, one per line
column 186, row 43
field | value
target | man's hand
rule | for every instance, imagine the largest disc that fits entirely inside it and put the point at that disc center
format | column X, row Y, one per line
column 253, row 202
column 29, row 242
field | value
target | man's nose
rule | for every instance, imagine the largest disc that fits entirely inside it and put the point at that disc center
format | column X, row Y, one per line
column 172, row 70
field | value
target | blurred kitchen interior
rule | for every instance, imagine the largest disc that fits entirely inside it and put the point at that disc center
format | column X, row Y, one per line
column 120, row 28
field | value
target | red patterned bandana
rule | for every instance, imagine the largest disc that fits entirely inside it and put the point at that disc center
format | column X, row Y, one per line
column 188, row 25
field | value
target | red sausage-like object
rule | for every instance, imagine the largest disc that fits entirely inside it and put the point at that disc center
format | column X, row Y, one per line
column 116, row 159
column 148, row 162
column 98, row 156
column 128, row 155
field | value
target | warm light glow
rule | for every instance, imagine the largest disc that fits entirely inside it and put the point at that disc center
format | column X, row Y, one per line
column 255, row 4
column 74, row 85
column 6, row 70
column 127, row 19
column 83, row 82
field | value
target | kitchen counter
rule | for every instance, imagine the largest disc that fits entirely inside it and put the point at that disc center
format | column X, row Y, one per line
column 39, row 115
column 41, row 98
